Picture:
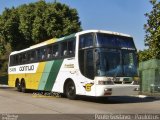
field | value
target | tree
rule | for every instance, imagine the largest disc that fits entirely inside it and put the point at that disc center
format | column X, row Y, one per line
column 152, row 29
column 144, row 55
column 2, row 47
column 9, row 26
column 32, row 23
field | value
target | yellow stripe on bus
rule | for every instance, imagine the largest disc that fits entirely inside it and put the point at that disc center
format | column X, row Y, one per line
column 53, row 40
column 34, row 78
column 31, row 79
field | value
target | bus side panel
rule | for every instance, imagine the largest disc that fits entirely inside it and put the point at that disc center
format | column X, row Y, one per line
column 31, row 79
column 13, row 77
column 69, row 70
column 11, row 80
column 36, row 77
column 53, row 74
column 45, row 75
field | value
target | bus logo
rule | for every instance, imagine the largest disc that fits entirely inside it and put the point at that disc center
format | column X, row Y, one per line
column 26, row 68
column 88, row 86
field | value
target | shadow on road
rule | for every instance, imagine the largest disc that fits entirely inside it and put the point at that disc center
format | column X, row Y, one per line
column 101, row 100
column 117, row 99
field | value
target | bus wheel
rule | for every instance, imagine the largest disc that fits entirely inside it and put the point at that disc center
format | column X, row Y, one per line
column 18, row 86
column 23, row 86
column 70, row 90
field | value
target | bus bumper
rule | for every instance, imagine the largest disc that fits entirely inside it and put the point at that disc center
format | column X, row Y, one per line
column 117, row 90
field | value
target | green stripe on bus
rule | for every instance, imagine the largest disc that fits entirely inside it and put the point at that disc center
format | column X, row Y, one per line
column 45, row 75
column 53, row 74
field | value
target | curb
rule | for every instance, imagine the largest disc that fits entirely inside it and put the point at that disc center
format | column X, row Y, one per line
column 3, row 85
column 149, row 97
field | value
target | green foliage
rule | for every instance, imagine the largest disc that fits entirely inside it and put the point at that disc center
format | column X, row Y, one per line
column 2, row 48
column 4, row 59
column 143, row 55
column 152, row 29
column 32, row 23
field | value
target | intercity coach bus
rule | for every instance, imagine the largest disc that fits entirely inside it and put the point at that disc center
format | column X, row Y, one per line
column 92, row 63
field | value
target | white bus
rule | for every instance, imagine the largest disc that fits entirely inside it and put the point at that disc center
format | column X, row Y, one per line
column 91, row 63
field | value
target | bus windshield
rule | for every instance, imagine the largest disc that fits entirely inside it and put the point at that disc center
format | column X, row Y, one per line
column 107, row 55
column 107, row 62
column 114, row 41
column 115, row 63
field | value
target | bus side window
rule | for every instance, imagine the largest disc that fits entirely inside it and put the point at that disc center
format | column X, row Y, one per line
column 20, row 59
column 15, row 59
column 64, row 51
column 43, row 53
column 32, row 56
column 24, row 58
column 86, row 40
column 55, row 52
column 71, row 47
column 28, row 56
column 11, row 60
column 49, row 52
column 38, row 55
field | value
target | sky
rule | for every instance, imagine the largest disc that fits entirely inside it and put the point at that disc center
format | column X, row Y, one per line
column 124, row 16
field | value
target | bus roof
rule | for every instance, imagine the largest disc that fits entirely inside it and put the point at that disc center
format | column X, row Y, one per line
column 53, row 40
column 103, row 31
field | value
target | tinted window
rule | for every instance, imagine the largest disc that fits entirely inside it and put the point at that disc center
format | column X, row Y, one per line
column 32, row 56
column 71, row 47
column 64, row 51
column 67, row 48
column 41, row 54
column 86, row 63
column 106, row 40
column 89, row 70
column 108, row 63
column 86, row 40
column 16, row 59
column 55, row 51
column 45, row 53
column 38, row 54
column 125, row 42
column 20, row 58
column 11, row 60
column 129, row 63
column 49, row 52
column 24, row 58
column 114, row 41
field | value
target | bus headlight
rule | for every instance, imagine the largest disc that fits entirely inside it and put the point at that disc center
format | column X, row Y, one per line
column 107, row 91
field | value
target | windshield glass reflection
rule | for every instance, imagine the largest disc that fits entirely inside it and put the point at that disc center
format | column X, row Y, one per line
column 129, row 63
column 108, row 63
column 114, row 41
column 113, row 63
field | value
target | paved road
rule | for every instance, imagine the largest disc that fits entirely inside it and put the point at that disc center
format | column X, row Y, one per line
column 14, row 102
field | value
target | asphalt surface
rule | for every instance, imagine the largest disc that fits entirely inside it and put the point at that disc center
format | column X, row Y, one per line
column 34, row 103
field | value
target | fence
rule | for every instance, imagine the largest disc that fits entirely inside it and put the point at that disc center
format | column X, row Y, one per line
column 149, row 72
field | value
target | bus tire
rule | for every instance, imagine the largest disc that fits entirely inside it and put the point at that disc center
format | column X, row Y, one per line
column 70, row 90
column 18, row 86
column 23, row 86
